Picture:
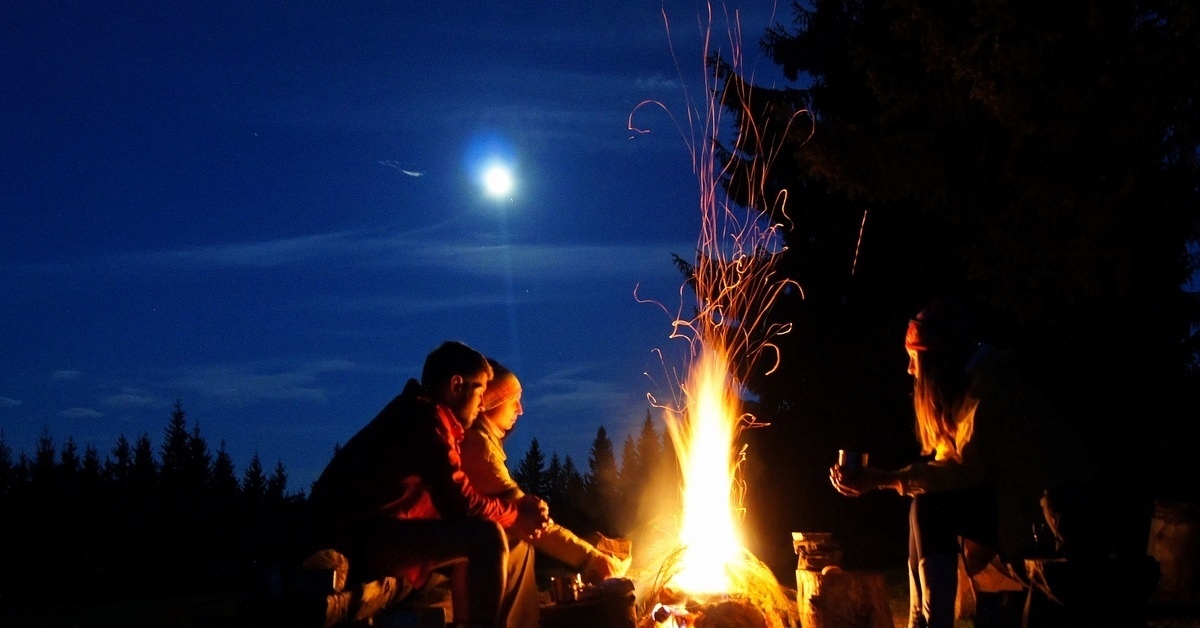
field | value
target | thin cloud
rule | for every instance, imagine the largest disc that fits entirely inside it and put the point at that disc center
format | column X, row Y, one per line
column 573, row 388
column 9, row 402
column 402, row 169
column 248, row 383
column 80, row 413
column 62, row 376
column 131, row 398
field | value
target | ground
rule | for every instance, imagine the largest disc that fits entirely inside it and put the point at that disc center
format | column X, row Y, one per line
column 220, row 610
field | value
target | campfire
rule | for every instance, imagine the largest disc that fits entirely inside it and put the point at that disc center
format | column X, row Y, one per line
column 708, row 578
column 705, row 576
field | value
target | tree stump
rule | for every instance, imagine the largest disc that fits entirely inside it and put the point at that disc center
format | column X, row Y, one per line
column 833, row 598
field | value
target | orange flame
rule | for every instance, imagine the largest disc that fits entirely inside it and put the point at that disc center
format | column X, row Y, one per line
column 728, row 334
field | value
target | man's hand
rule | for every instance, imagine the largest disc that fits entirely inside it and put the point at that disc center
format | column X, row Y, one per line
column 533, row 517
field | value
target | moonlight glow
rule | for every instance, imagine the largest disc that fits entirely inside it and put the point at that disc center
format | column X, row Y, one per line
column 498, row 181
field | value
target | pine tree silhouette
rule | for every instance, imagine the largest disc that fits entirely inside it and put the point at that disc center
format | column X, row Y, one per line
column 530, row 473
column 276, row 488
column 601, row 484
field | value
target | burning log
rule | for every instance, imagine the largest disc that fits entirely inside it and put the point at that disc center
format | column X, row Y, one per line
column 753, row 599
column 731, row 613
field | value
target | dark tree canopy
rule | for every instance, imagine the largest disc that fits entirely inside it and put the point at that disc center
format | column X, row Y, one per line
column 1038, row 160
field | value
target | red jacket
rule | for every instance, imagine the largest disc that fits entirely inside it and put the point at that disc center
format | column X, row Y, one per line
column 404, row 464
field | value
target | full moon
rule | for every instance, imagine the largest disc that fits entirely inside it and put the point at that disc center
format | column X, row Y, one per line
column 498, row 181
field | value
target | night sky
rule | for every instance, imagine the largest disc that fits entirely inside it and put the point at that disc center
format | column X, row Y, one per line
column 272, row 211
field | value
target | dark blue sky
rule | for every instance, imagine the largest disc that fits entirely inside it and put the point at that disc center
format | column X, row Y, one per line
column 271, row 211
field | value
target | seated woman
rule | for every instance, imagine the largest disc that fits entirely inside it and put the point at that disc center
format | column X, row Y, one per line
column 483, row 460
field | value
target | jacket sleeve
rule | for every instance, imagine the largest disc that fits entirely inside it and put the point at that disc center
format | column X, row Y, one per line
column 450, row 490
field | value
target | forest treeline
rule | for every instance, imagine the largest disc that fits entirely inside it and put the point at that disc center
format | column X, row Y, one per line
column 146, row 519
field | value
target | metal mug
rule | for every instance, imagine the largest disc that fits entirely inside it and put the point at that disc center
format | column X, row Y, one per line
column 564, row 590
column 851, row 459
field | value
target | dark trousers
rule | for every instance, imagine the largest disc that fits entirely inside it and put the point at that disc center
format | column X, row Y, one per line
column 479, row 547
column 936, row 523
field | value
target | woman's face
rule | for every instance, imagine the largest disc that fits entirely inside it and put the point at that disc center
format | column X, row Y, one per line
column 913, row 364
column 504, row 416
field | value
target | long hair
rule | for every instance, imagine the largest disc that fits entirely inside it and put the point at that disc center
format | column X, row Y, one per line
column 937, row 391
column 945, row 337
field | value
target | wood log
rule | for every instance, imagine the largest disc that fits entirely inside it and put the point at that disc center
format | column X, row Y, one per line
column 833, row 598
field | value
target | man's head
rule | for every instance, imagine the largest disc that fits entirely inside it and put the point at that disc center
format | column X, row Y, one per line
column 502, row 399
column 456, row 375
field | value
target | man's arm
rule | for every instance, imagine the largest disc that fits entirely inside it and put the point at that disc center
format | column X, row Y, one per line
column 451, row 491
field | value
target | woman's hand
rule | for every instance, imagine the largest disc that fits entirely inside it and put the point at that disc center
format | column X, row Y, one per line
column 853, row 482
column 533, row 517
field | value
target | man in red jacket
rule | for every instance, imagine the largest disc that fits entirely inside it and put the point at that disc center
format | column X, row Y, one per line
column 396, row 501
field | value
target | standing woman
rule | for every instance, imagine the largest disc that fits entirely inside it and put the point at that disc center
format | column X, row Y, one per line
column 994, row 447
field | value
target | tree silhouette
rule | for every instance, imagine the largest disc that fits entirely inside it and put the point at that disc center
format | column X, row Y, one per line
column 601, row 484
column 7, row 476
column 574, row 510
column 530, row 474
column 175, row 453
column 197, row 468
column 118, row 466
column 276, row 488
column 144, row 480
column 254, row 482
column 224, row 476
column 630, row 481
column 556, row 482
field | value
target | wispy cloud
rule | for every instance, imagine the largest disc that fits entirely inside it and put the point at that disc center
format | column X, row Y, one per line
column 573, row 389
column 132, row 398
column 9, row 402
column 415, row 250
column 62, row 376
column 248, row 383
column 80, row 413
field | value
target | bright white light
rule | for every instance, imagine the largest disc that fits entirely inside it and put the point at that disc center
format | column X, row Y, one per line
column 498, row 181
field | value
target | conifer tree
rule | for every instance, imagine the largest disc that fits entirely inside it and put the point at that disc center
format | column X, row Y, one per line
column 119, row 464
column 573, row 511
column 254, row 482
column 649, row 447
column 175, row 453
column 43, row 459
column 198, row 465
column 276, row 488
column 144, row 476
column 6, row 466
column 91, row 468
column 530, row 474
column 601, row 484
column 68, row 459
column 556, row 481
column 630, row 481
column 224, row 476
